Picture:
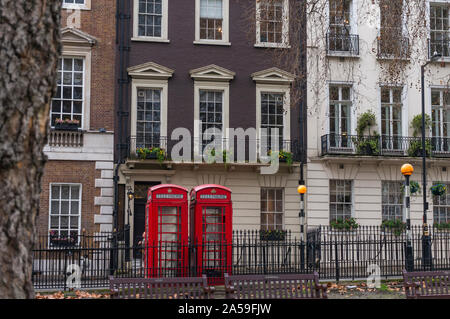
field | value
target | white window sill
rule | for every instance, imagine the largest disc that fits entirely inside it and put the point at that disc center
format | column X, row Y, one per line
column 75, row 7
column 145, row 39
column 343, row 54
column 272, row 45
column 205, row 42
column 445, row 59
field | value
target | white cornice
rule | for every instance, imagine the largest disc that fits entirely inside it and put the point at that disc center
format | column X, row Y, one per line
column 273, row 76
column 73, row 36
column 212, row 72
column 150, row 70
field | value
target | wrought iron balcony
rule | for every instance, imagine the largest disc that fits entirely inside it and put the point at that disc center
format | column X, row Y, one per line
column 333, row 144
column 397, row 48
column 236, row 151
column 342, row 44
column 441, row 47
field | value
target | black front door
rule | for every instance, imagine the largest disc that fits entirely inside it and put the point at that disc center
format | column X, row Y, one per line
column 140, row 200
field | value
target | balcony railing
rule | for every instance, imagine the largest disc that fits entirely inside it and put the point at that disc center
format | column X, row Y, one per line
column 397, row 48
column 239, row 150
column 441, row 47
column 58, row 138
column 334, row 144
column 338, row 44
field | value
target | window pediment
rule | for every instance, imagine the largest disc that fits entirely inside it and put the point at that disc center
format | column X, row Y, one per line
column 150, row 70
column 273, row 76
column 212, row 73
column 75, row 37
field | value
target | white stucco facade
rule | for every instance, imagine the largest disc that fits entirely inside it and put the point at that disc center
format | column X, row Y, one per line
column 365, row 74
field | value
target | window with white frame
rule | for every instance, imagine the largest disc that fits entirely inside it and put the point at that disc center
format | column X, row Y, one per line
column 440, row 29
column 340, row 37
column 392, row 200
column 80, row 2
column 211, row 107
column 65, row 210
column 272, row 119
column 212, row 21
column 391, row 117
column 151, row 20
column 148, row 124
column 76, row 4
column 272, row 209
column 211, row 114
column 67, row 104
column 441, row 208
column 440, row 117
column 272, row 23
column 340, row 199
column 391, row 42
column 340, row 115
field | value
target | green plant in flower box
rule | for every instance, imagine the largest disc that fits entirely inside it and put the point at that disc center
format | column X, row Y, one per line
column 283, row 156
column 151, row 153
column 397, row 226
column 344, row 224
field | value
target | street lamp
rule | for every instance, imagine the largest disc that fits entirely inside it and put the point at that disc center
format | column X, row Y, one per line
column 130, row 196
column 301, row 189
column 426, row 240
column 407, row 170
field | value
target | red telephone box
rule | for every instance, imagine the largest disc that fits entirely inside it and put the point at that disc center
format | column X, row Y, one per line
column 211, row 231
column 166, row 232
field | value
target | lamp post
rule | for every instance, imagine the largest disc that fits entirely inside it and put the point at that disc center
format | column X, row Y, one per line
column 407, row 170
column 130, row 196
column 301, row 189
column 426, row 240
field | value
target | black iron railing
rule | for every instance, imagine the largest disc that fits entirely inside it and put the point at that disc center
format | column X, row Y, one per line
column 342, row 44
column 225, row 150
column 396, row 48
column 334, row 254
column 335, row 144
column 441, row 47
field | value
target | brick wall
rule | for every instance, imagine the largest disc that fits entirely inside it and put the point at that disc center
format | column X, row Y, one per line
column 70, row 172
column 100, row 22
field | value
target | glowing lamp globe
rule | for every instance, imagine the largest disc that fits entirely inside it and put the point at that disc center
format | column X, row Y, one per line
column 407, row 169
column 301, row 189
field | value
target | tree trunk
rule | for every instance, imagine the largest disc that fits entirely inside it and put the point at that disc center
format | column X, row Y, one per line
column 29, row 51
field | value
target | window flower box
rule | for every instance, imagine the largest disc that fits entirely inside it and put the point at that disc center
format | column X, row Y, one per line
column 396, row 227
column 272, row 235
column 63, row 241
column 154, row 153
column 67, row 125
column 347, row 224
column 283, row 156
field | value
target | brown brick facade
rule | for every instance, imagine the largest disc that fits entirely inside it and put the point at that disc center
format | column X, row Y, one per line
column 100, row 23
column 70, row 172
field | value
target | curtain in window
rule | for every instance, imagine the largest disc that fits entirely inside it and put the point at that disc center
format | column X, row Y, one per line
column 211, row 9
